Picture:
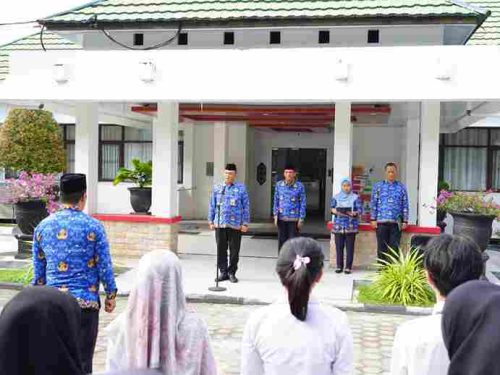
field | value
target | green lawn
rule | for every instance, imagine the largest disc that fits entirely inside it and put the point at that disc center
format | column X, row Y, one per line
column 18, row 276
column 25, row 275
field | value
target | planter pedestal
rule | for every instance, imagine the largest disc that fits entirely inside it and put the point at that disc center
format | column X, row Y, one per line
column 24, row 244
column 441, row 216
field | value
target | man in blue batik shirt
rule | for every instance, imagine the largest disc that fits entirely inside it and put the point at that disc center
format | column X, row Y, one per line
column 389, row 211
column 71, row 253
column 289, row 207
column 229, row 215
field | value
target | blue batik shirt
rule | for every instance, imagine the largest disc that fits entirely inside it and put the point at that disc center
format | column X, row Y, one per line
column 71, row 253
column 389, row 202
column 289, row 201
column 344, row 224
column 229, row 206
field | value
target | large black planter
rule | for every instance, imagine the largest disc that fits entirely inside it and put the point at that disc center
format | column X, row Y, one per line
column 477, row 227
column 140, row 199
column 29, row 214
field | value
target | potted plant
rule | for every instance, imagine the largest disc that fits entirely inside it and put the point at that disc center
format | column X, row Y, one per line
column 31, row 144
column 473, row 214
column 34, row 197
column 141, row 175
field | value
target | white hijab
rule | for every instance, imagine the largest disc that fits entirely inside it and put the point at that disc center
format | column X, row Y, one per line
column 156, row 330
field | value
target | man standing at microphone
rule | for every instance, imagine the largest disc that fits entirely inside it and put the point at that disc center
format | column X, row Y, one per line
column 229, row 215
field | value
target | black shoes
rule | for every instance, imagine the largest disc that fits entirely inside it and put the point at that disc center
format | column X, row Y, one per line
column 225, row 276
column 347, row 271
column 222, row 277
column 233, row 278
column 338, row 270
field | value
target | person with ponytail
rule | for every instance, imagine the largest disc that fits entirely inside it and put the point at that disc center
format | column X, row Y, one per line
column 298, row 335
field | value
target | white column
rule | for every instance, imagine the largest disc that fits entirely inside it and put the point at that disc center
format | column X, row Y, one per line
column 188, row 131
column 412, row 155
column 221, row 148
column 87, row 149
column 342, row 147
column 237, row 148
column 429, row 162
column 165, row 154
column 186, row 201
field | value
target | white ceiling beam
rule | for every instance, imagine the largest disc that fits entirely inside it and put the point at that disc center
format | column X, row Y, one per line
column 285, row 75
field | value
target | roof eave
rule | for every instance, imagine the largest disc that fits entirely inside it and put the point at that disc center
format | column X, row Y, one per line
column 263, row 22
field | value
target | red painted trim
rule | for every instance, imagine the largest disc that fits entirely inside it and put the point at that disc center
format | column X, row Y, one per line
column 138, row 218
column 304, row 119
column 265, row 109
column 415, row 229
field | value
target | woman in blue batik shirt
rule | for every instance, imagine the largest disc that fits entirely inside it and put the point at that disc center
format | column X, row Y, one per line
column 345, row 209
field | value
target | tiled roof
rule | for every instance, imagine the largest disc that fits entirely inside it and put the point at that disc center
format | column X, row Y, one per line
column 214, row 10
column 51, row 41
column 489, row 32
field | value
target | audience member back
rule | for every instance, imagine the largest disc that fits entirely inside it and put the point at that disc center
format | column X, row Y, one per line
column 297, row 335
column 39, row 334
column 471, row 329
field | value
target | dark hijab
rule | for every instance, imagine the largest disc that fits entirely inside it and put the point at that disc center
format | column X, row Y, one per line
column 39, row 334
column 471, row 329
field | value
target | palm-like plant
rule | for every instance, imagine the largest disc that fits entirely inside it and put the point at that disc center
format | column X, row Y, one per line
column 141, row 174
column 401, row 279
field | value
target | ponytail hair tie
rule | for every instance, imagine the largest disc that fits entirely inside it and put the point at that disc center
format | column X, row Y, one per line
column 299, row 261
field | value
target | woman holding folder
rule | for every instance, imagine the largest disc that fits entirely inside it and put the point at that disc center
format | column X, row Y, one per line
column 345, row 209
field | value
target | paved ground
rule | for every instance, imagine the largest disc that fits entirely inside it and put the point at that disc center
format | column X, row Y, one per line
column 373, row 335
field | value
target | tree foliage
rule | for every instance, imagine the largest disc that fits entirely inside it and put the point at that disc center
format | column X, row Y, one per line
column 31, row 141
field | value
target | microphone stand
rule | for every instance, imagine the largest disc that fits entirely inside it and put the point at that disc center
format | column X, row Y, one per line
column 218, row 288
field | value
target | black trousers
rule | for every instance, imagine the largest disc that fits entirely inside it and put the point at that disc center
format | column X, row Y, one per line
column 388, row 235
column 286, row 230
column 345, row 240
column 228, row 237
column 88, row 336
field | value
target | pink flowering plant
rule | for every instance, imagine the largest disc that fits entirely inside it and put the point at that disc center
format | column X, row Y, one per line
column 28, row 187
column 481, row 203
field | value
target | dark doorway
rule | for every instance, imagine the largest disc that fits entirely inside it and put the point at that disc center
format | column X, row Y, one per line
column 311, row 171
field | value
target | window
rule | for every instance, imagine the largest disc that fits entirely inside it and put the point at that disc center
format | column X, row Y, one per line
column 182, row 39
column 324, row 37
column 68, row 135
column 274, row 37
column 470, row 159
column 119, row 145
column 138, row 39
column 229, row 37
column 373, row 36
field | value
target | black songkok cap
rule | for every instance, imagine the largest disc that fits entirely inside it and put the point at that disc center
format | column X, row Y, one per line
column 73, row 183
column 231, row 167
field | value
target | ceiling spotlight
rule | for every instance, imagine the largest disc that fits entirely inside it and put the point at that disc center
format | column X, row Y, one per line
column 147, row 71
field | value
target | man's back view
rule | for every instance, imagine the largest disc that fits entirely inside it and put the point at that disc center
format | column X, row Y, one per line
column 71, row 253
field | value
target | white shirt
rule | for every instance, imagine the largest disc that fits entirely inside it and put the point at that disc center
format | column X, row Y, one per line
column 418, row 347
column 277, row 343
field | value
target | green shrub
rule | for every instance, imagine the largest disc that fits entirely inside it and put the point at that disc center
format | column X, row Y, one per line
column 30, row 140
column 400, row 281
